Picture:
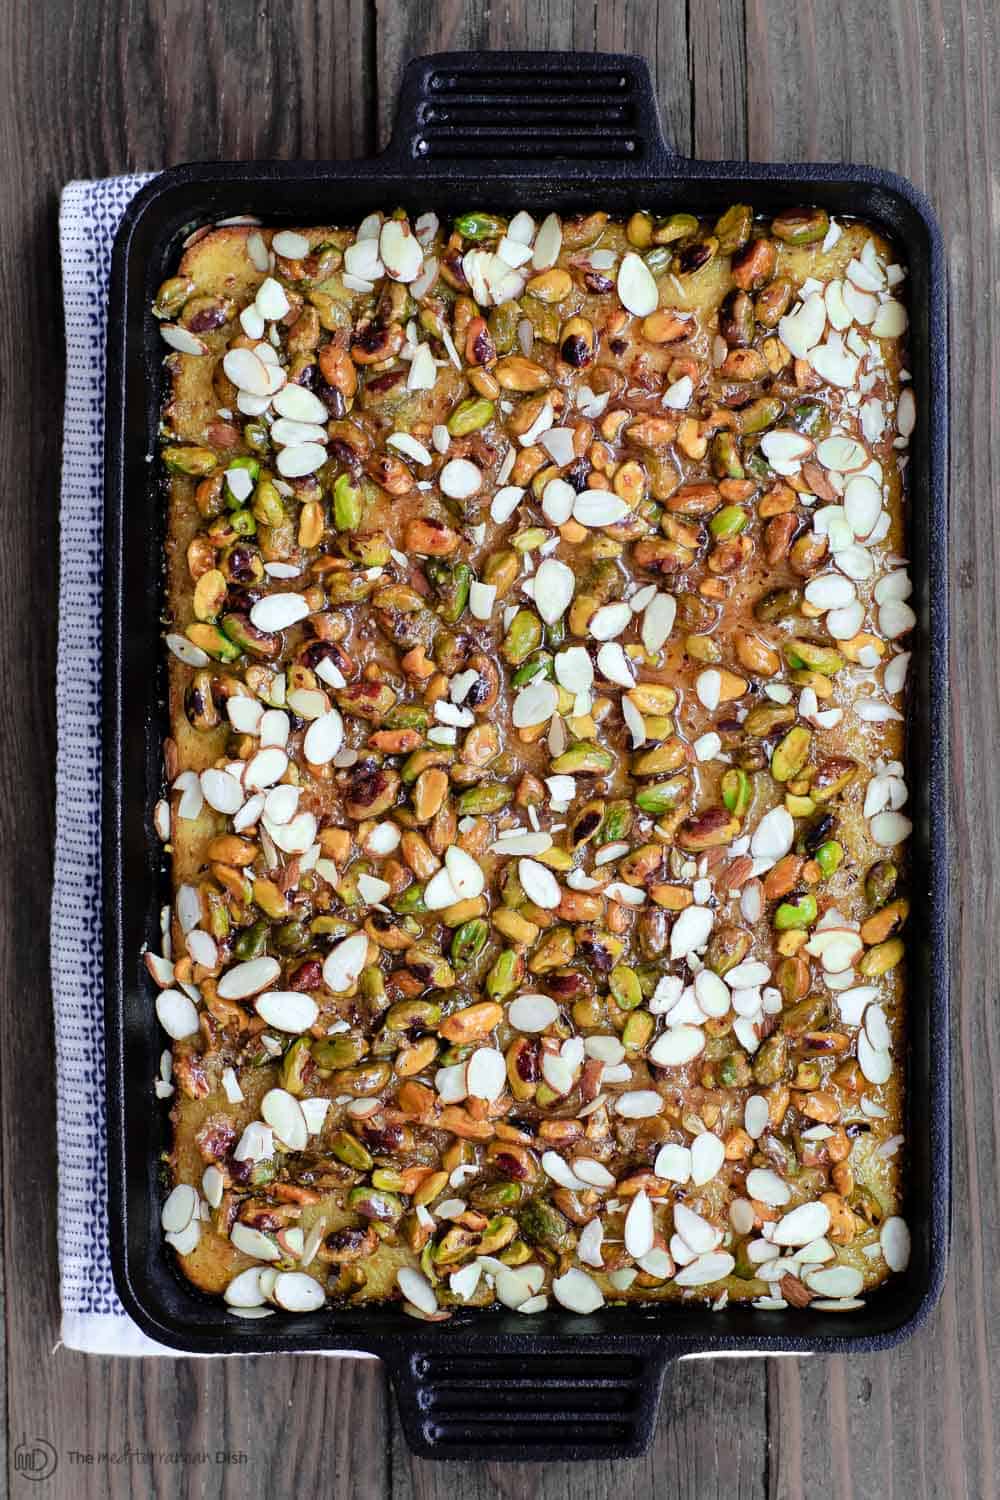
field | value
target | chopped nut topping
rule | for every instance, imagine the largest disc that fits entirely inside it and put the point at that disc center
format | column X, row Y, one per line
column 538, row 636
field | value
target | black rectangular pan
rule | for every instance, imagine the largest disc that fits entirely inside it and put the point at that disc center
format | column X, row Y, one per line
column 539, row 131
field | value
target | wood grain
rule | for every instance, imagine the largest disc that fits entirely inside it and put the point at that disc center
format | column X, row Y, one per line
column 86, row 90
column 867, row 1427
column 220, row 1428
column 717, row 62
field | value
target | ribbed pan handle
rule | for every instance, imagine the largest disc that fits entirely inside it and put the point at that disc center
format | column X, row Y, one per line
column 530, row 1406
column 582, row 108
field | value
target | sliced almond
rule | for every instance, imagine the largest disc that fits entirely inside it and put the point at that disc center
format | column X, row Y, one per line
column 278, row 611
column 637, row 288
column 400, row 250
column 287, row 1010
column 639, row 1226
column 705, row 1269
column 707, row 1157
column 301, row 459
column 577, row 1292
column 249, row 978
column 182, row 339
column 800, row 1225
column 599, row 508
column 247, row 372
column 296, row 1292
column 282, row 1111
column 343, row 964
column 555, row 584
column 677, row 1046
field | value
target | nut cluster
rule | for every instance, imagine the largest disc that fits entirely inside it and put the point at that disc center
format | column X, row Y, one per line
column 538, row 611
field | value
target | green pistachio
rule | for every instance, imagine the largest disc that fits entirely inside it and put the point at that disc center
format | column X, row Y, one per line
column 801, row 226
column 196, row 462
column 172, row 295
column 584, row 757
column 340, row 1051
column 777, row 604
column 494, row 1195
column 617, row 822
column 410, row 902
column 530, row 539
column 810, row 417
column 801, row 653
column 485, row 798
column 211, row 639
column 347, row 505
column 501, row 569
column 246, row 637
column 523, row 637
column 732, row 230
column 541, row 1223
column 728, row 946
column 737, row 790
column 799, row 913
column 539, row 665
column 760, row 414
column 348, row 1149
column 468, row 942
column 734, row 1070
column 771, row 1061
column 372, row 1204
column 251, row 942
column 791, row 754
column 662, row 796
column 625, row 987
column 505, row 975
column 480, row 226
column 674, row 227
column 406, row 1015
column 726, row 464
column 829, row 856
column 268, row 508
column 880, row 882
column 729, row 521
column 470, row 416
column 637, row 1031
column 452, row 582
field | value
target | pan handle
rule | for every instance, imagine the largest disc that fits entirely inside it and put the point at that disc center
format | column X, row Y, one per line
column 486, row 110
column 563, row 1403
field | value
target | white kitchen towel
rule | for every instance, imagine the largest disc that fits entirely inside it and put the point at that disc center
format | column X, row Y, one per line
column 93, row 1319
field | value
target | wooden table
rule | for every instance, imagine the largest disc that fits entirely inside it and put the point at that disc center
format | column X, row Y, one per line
column 90, row 89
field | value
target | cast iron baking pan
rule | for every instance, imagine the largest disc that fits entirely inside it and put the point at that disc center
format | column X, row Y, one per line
column 539, row 131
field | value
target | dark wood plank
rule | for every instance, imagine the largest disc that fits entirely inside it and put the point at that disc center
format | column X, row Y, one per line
column 212, row 1428
column 828, row 81
column 173, row 83
column 920, row 1421
column 717, row 64
column 28, row 285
